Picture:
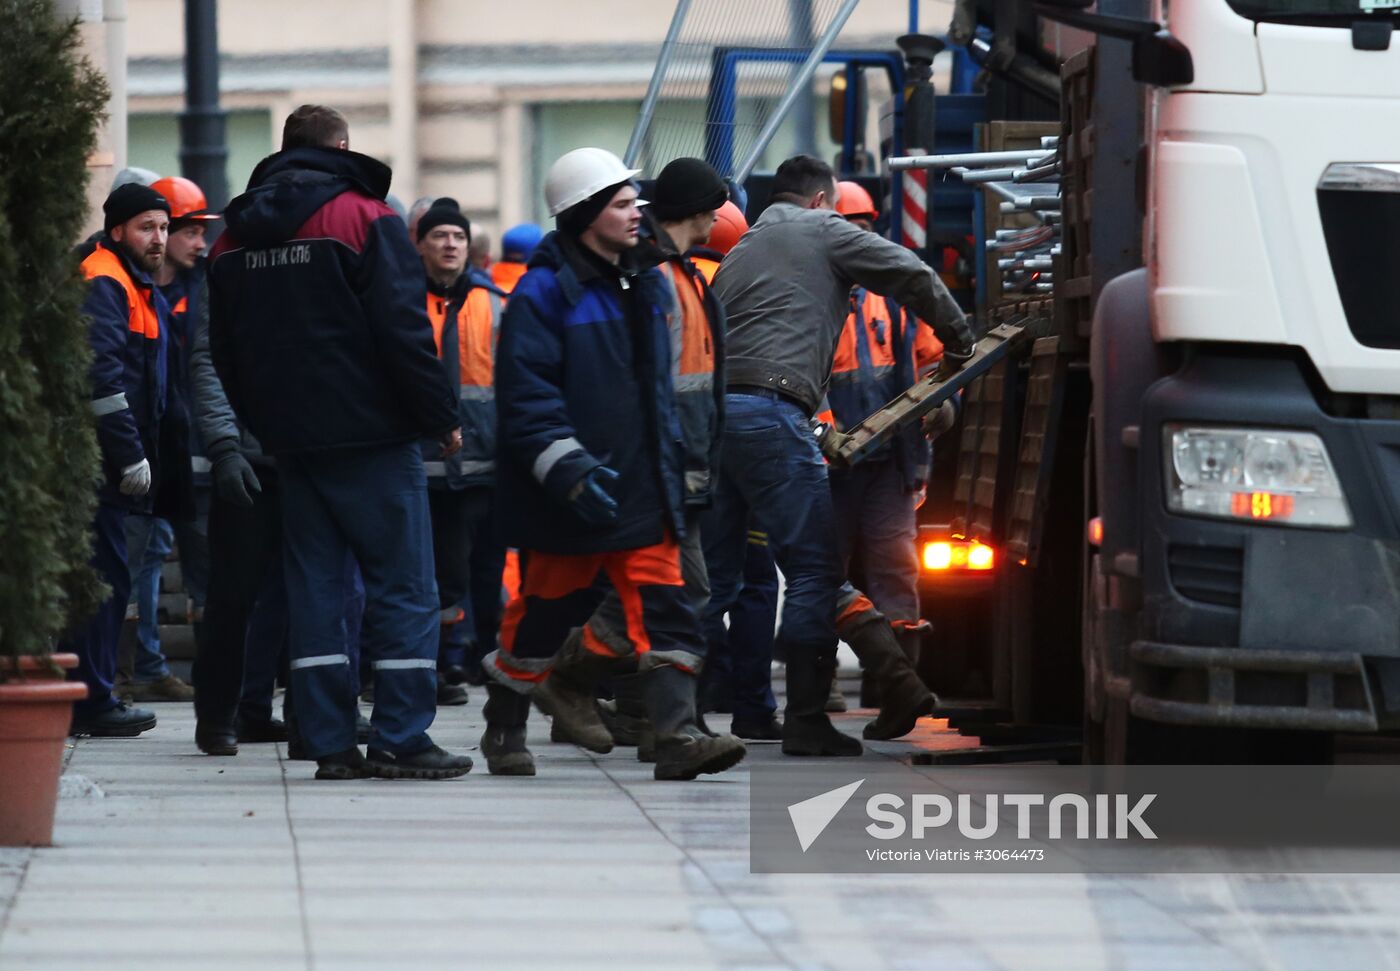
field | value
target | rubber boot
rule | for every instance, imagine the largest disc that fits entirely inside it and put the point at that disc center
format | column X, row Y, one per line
column 503, row 742
column 568, row 695
column 683, row 751
column 626, row 714
column 807, row 730
column 904, row 698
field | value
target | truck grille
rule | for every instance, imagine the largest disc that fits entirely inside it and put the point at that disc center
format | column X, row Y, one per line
column 1210, row 574
column 1360, row 203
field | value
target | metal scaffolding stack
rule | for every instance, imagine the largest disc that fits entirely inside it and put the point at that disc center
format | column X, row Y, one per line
column 1027, row 183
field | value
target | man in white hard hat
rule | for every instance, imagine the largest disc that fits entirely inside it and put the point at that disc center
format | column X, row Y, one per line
column 592, row 471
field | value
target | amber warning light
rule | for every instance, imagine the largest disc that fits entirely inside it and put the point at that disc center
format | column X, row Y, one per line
column 1261, row 505
column 946, row 555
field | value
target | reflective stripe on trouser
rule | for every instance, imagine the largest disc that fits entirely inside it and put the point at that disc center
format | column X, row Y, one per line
column 561, row 592
column 877, row 535
column 371, row 503
column 607, row 628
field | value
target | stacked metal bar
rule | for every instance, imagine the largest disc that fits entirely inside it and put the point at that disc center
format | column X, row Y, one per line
column 1025, row 181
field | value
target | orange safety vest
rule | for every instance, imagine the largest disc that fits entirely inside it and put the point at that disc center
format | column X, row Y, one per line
column 141, row 312
column 506, row 274
column 707, row 267
column 476, row 335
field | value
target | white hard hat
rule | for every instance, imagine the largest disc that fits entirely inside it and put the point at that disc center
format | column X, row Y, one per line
column 579, row 174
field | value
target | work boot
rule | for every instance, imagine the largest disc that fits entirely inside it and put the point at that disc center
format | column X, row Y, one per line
column 168, row 688
column 683, row 750
column 761, row 730
column 567, row 695
column 646, row 746
column 503, row 742
column 904, row 698
column 625, row 714
column 430, row 764
column 806, row 728
column 254, row 732
column 343, row 766
column 216, row 741
column 449, row 695
column 122, row 721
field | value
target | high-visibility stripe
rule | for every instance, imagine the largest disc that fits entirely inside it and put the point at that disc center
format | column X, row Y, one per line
column 550, row 456
column 319, row 661
column 434, row 469
column 200, row 464
column 476, row 467
column 695, row 480
column 477, row 392
column 405, row 664
column 110, row 404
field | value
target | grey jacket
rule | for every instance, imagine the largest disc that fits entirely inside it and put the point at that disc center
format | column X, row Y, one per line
column 786, row 290
column 220, row 430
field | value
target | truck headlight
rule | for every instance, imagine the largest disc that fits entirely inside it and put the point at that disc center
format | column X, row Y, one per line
column 1260, row 474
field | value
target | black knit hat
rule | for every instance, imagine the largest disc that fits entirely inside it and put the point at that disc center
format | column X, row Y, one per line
column 129, row 201
column 443, row 212
column 685, row 187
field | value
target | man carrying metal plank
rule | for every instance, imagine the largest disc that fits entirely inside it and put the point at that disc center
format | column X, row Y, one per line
column 786, row 289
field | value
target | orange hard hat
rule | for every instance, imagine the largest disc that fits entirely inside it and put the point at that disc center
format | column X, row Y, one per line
column 855, row 202
column 730, row 224
column 186, row 199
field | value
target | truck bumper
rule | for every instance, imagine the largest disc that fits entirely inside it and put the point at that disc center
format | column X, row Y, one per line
column 1251, row 625
column 1242, row 688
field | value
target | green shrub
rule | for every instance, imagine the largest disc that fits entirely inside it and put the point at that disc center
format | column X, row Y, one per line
column 51, row 102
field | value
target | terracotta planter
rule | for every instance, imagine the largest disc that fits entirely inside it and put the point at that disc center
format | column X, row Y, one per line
column 36, row 707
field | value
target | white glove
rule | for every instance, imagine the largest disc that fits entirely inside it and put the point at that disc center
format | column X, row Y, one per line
column 136, row 479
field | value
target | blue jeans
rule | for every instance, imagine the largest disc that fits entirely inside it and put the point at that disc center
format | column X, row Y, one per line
column 876, row 529
column 372, row 504
column 742, row 672
column 149, row 540
column 773, row 478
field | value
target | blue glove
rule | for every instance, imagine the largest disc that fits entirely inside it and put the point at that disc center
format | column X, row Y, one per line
column 592, row 497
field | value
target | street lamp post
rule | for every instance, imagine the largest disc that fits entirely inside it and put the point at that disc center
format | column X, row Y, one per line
column 203, row 147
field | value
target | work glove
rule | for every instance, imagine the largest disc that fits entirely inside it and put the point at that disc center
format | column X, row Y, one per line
column 234, row 479
column 953, row 360
column 940, row 420
column 136, row 480
column 592, row 497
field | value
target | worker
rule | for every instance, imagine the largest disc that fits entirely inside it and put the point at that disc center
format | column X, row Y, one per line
column 878, row 355
column 682, row 212
column 128, row 325
column 465, row 315
column 321, row 339
column 517, row 246
column 730, row 224
column 592, row 477
column 786, row 290
column 149, row 538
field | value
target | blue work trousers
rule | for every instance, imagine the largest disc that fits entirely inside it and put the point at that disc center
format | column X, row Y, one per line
column 149, row 540
column 876, row 530
column 371, row 503
column 773, row 478
column 95, row 642
column 740, row 674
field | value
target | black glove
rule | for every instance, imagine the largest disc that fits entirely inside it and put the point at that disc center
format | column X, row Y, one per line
column 953, row 360
column 234, row 479
column 592, row 497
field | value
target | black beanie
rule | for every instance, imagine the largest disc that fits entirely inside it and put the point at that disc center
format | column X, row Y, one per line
column 578, row 217
column 443, row 212
column 685, row 187
column 129, row 201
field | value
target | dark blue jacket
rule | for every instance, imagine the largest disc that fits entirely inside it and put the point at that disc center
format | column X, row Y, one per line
column 318, row 325
column 583, row 379
column 128, row 328
column 188, row 297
